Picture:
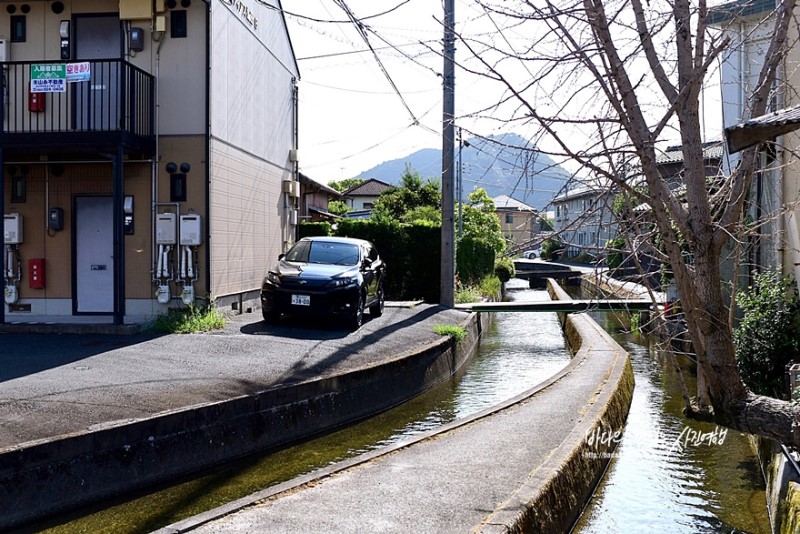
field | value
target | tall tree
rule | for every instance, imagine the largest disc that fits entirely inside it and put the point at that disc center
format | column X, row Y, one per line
column 624, row 74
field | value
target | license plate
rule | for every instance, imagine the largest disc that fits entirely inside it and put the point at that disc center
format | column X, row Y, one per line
column 301, row 300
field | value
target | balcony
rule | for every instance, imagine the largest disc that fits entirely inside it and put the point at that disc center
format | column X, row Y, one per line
column 110, row 105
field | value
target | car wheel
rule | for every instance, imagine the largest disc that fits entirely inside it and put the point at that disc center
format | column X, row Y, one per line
column 357, row 319
column 376, row 310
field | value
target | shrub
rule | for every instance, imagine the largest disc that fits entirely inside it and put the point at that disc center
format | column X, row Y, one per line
column 552, row 249
column 474, row 259
column 411, row 252
column 766, row 338
column 504, row 269
column 491, row 288
column 311, row 229
column 615, row 248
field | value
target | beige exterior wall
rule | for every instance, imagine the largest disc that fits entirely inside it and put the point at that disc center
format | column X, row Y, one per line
column 520, row 230
column 47, row 190
column 239, row 153
column 249, row 225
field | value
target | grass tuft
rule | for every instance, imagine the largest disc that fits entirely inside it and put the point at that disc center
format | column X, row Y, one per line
column 188, row 320
column 453, row 330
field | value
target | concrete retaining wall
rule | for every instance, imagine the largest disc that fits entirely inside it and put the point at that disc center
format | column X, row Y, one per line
column 556, row 494
column 48, row 477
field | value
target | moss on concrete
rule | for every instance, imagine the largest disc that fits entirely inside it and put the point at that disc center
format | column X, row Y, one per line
column 790, row 510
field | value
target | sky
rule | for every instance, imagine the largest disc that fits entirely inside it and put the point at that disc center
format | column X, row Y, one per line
column 356, row 111
column 361, row 107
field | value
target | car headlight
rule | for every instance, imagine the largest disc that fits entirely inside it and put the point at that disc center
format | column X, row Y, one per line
column 273, row 278
column 343, row 281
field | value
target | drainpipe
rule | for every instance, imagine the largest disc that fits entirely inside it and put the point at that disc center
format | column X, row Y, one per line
column 209, row 220
column 155, row 161
column 296, row 143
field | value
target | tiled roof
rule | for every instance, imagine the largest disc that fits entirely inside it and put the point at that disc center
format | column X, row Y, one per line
column 738, row 9
column 369, row 188
column 505, row 202
column 674, row 154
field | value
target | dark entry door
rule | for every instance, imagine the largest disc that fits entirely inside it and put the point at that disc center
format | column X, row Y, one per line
column 98, row 37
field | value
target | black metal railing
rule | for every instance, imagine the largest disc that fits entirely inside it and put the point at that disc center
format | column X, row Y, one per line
column 114, row 96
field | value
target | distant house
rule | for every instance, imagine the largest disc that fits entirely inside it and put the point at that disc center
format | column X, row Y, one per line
column 314, row 198
column 363, row 196
column 518, row 221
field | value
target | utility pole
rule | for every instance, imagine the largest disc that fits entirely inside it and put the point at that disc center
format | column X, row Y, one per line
column 447, row 297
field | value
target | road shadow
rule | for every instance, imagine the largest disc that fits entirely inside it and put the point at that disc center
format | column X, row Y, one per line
column 27, row 354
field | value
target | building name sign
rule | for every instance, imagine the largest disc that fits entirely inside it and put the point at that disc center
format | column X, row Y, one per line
column 244, row 11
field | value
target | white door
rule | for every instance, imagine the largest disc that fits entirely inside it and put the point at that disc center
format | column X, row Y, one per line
column 94, row 255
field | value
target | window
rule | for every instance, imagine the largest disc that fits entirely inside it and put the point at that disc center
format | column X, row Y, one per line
column 177, row 187
column 18, row 189
column 18, row 29
column 177, row 24
column 509, row 218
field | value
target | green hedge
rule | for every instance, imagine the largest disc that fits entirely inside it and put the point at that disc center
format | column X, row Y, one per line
column 475, row 259
column 310, row 229
column 411, row 252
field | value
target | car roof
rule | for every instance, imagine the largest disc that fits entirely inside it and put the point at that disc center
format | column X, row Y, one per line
column 332, row 239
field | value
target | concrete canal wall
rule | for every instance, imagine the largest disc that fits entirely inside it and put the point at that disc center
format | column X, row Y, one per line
column 50, row 476
column 558, row 491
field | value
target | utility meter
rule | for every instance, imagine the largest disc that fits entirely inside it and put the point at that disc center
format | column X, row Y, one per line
column 166, row 229
column 12, row 229
column 191, row 230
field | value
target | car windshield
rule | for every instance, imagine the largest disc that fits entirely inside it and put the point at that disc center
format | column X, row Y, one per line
column 329, row 252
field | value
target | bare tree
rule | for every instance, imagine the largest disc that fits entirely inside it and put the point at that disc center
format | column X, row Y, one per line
column 629, row 75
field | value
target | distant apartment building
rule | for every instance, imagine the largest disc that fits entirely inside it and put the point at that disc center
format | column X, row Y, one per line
column 148, row 153
column 583, row 220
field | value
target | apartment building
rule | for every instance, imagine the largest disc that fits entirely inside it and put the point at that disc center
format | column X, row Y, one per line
column 149, row 155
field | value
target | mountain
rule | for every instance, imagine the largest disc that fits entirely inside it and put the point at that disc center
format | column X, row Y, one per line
column 502, row 165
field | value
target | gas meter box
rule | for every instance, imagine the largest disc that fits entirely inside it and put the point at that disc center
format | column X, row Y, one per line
column 166, row 233
column 12, row 229
column 191, row 230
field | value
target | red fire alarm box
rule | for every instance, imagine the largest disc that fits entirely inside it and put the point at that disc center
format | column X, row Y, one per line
column 35, row 101
column 36, row 273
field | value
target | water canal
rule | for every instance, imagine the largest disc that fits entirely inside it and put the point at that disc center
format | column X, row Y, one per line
column 649, row 486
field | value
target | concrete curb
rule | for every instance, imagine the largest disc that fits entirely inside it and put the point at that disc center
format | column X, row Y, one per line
column 50, row 476
column 555, row 495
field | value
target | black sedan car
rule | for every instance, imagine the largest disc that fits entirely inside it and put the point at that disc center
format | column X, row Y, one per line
column 326, row 276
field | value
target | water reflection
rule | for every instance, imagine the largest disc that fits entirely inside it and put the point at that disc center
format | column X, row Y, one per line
column 661, row 480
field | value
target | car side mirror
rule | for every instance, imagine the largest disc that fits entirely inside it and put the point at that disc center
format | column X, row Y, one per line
column 281, row 256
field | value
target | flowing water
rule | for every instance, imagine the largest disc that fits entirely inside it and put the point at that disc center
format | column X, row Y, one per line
column 651, row 485
column 670, row 474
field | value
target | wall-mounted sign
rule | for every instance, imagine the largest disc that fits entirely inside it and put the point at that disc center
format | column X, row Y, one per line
column 79, row 72
column 48, row 78
column 244, row 12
